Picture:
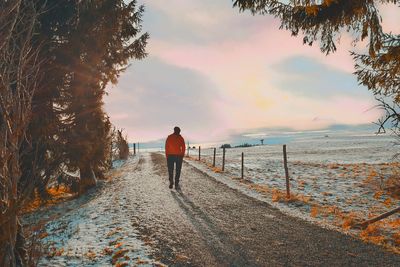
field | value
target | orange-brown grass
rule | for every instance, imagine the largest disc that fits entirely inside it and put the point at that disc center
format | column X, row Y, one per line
column 216, row 169
column 56, row 195
column 33, row 204
column 118, row 254
column 372, row 234
column 394, row 223
column 340, row 218
column 333, row 166
column 118, row 245
column 90, row 255
column 396, row 238
column 260, row 188
column 107, row 251
column 140, row 261
column 43, row 235
column 181, row 258
column 301, row 184
column 349, row 220
column 314, row 212
column 378, row 194
column 54, row 252
column 121, row 264
column 388, row 202
column 392, row 185
column 281, row 196
column 114, row 174
column 159, row 264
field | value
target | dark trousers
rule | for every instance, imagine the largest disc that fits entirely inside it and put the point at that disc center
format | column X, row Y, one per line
column 171, row 161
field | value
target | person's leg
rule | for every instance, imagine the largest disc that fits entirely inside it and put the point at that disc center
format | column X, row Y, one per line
column 170, row 164
column 178, row 170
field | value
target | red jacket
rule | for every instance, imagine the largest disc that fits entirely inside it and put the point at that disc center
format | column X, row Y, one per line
column 175, row 145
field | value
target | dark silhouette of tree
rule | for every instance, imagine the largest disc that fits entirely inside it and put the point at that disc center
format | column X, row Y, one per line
column 104, row 39
column 45, row 135
column 51, row 114
column 226, row 146
column 325, row 20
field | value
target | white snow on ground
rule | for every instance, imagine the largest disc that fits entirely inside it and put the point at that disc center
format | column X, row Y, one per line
column 335, row 178
column 95, row 230
column 118, row 163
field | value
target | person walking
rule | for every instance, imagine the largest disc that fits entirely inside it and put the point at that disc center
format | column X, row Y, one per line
column 174, row 152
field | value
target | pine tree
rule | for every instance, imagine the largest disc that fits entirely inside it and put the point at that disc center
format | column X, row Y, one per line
column 44, row 151
column 103, row 44
column 324, row 20
column 85, row 45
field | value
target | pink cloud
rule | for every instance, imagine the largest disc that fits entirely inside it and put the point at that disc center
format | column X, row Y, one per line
column 242, row 68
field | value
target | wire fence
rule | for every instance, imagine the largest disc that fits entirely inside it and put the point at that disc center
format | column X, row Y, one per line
column 245, row 162
column 334, row 173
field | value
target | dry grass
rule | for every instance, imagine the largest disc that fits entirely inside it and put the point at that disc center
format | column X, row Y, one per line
column 118, row 254
column 57, row 195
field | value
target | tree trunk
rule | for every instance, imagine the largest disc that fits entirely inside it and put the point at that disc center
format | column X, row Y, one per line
column 42, row 190
column 8, row 238
column 99, row 174
column 88, row 179
column 20, row 248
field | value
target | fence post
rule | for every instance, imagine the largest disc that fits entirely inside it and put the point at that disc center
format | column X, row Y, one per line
column 286, row 172
column 242, row 164
column 199, row 153
column 215, row 150
column 138, row 147
column 134, row 148
column 223, row 159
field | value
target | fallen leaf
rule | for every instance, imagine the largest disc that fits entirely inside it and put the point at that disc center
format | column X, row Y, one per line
column 388, row 202
column 314, row 212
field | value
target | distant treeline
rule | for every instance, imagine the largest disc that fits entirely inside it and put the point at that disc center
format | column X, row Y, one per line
column 241, row 145
column 56, row 59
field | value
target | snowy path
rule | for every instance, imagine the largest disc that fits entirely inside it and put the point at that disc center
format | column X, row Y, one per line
column 136, row 216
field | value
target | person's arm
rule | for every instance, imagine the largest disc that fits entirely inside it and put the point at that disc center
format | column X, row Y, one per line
column 166, row 146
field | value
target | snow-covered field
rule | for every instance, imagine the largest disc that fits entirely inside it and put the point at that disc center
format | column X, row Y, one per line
column 337, row 179
column 96, row 229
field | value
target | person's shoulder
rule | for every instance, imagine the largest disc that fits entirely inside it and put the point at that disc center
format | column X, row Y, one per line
column 181, row 137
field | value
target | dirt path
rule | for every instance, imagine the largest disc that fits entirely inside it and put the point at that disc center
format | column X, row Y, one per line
column 209, row 224
column 136, row 220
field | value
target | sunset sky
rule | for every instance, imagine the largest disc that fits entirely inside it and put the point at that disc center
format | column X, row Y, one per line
column 214, row 72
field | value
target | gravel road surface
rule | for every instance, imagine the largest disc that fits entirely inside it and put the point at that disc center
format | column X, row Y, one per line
column 209, row 224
